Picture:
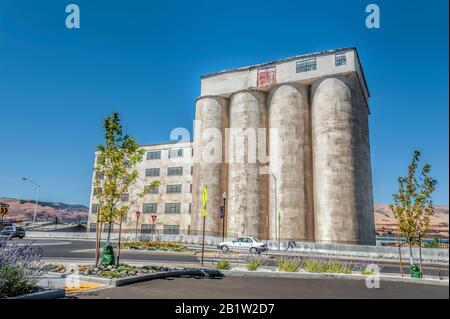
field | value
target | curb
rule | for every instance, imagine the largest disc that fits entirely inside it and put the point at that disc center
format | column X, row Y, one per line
column 47, row 294
column 425, row 281
column 159, row 275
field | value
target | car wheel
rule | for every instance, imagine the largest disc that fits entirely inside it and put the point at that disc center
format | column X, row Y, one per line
column 224, row 248
column 253, row 250
column 21, row 237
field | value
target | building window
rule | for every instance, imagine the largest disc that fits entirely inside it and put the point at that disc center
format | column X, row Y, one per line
column 95, row 208
column 153, row 190
column 171, row 171
column 106, row 227
column 173, row 189
column 149, row 208
column 93, row 227
column 176, row 153
column 306, row 65
column 154, row 155
column 152, row 172
column 97, row 190
column 171, row 229
column 148, row 229
column 190, row 188
column 192, row 170
column 172, row 208
column 127, row 164
column 190, row 208
column 340, row 59
column 125, row 197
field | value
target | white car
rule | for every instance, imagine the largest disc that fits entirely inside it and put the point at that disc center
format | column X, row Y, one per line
column 249, row 244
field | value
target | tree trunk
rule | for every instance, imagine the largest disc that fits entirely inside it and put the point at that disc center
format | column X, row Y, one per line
column 100, row 228
column 118, row 244
column 108, row 239
column 97, row 246
column 400, row 253
column 411, row 259
column 420, row 256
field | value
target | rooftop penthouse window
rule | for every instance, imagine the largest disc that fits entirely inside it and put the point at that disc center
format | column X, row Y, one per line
column 306, row 65
column 340, row 59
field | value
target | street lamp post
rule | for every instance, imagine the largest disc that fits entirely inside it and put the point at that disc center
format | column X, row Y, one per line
column 224, row 197
column 277, row 230
column 38, row 188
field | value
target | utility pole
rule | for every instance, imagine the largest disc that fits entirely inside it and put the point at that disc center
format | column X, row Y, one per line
column 37, row 198
column 277, row 229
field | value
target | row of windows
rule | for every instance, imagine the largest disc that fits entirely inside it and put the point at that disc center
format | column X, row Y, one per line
column 311, row 64
column 173, row 153
column 170, row 189
column 152, row 208
column 171, row 171
column 146, row 228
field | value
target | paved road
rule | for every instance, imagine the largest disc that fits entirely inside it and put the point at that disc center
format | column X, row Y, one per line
column 276, row 288
column 83, row 249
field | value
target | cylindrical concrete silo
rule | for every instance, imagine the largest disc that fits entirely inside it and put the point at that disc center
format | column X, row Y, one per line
column 291, row 163
column 247, row 188
column 366, row 218
column 208, row 163
column 335, row 162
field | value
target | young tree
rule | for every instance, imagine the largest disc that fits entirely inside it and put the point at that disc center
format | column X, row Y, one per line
column 115, row 164
column 413, row 205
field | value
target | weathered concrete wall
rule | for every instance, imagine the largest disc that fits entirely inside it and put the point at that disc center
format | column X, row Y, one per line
column 245, row 215
column 211, row 111
column 291, row 162
column 341, row 180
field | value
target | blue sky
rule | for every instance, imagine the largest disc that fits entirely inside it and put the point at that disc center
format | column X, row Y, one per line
column 144, row 59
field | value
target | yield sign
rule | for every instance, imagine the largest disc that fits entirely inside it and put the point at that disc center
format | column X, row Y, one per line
column 204, row 199
column 153, row 218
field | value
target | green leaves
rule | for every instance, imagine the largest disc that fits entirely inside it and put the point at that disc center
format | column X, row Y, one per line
column 413, row 203
column 115, row 162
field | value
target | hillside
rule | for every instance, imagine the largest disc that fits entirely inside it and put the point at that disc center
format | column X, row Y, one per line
column 386, row 222
column 22, row 210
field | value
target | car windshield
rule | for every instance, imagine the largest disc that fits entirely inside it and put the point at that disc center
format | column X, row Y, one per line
column 256, row 240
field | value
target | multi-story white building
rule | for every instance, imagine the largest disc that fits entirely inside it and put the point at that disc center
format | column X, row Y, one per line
column 171, row 164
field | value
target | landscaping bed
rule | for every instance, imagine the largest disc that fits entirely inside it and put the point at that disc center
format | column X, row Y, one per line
column 110, row 272
column 156, row 246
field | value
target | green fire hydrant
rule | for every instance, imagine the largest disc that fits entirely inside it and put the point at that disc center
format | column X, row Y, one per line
column 108, row 257
column 414, row 271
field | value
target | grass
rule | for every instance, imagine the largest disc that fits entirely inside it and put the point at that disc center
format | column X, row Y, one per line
column 254, row 264
column 156, row 245
column 289, row 266
column 327, row 266
column 223, row 265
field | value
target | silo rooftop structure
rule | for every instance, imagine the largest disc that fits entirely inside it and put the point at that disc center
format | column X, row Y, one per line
column 288, row 142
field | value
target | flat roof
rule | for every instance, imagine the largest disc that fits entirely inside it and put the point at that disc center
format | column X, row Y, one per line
column 266, row 64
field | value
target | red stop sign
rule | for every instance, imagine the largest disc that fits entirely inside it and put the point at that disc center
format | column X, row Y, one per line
column 154, row 218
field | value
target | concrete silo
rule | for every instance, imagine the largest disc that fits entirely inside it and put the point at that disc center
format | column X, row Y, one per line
column 291, row 163
column 247, row 188
column 339, row 197
column 209, row 167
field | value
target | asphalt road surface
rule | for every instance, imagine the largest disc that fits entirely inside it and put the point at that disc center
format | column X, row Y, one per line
column 84, row 249
column 275, row 288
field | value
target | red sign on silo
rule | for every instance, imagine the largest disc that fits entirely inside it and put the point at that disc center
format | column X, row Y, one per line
column 267, row 77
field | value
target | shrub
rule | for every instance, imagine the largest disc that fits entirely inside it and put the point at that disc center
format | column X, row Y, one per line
column 223, row 265
column 435, row 243
column 327, row 266
column 289, row 266
column 155, row 245
column 253, row 264
column 20, row 268
column 367, row 272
